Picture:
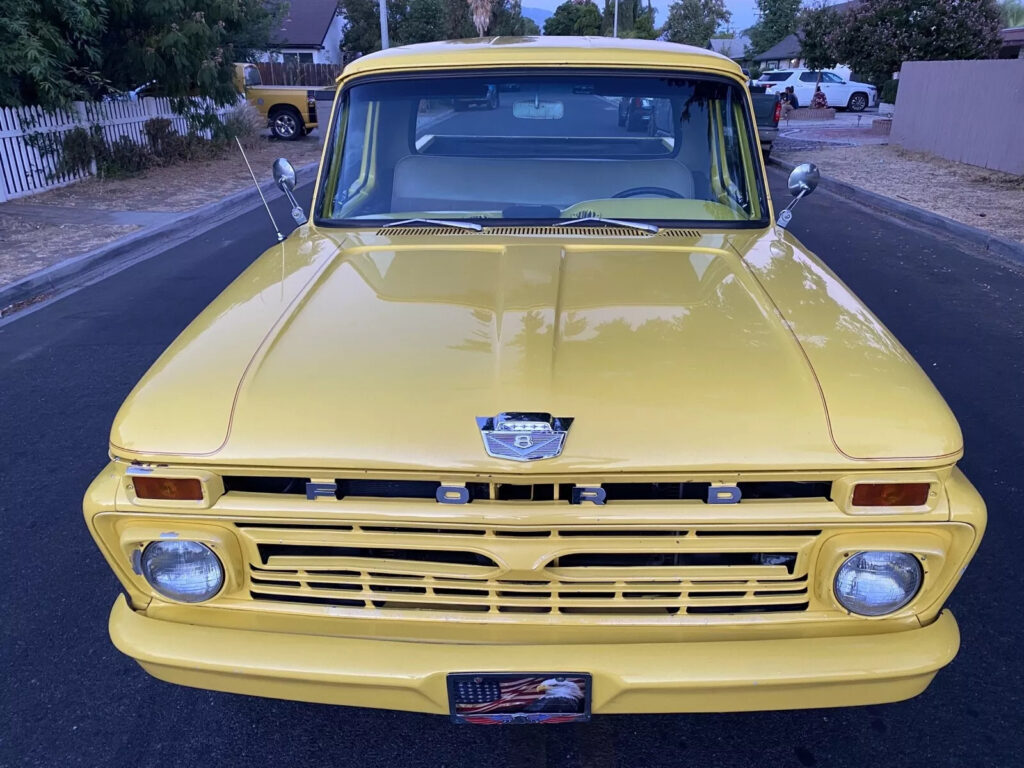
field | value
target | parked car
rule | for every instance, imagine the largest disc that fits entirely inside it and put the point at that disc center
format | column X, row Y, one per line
column 290, row 110
column 635, row 112
column 767, row 111
column 535, row 420
column 840, row 94
column 487, row 97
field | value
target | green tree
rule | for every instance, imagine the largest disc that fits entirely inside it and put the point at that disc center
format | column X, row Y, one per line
column 55, row 51
column 908, row 30
column 572, row 18
column 815, row 25
column 636, row 19
column 693, row 22
column 458, row 21
column 50, row 52
column 1012, row 12
column 421, row 22
column 507, row 19
column 361, row 33
column 189, row 47
column 777, row 19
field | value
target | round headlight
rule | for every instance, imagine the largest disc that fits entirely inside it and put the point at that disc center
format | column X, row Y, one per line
column 876, row 583
column 186, row 571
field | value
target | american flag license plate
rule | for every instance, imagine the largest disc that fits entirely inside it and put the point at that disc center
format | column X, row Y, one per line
column 490, row 698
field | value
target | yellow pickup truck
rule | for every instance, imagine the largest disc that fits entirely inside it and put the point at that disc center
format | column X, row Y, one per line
column 290, row 109
column 537, row 418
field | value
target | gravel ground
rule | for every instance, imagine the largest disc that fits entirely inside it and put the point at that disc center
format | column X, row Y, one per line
column 989, row 200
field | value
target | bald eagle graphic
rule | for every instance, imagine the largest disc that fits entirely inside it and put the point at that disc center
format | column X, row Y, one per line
column 560, row 695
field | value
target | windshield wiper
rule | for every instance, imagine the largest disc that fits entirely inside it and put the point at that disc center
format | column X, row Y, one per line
column 435, row 223
column 643, row 227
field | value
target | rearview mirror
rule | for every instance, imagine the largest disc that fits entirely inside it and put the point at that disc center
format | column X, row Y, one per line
column 538, row 110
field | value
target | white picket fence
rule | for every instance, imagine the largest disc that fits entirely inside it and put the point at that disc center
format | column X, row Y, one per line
column 26, row 171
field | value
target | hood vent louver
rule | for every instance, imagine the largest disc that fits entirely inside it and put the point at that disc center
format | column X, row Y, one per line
column 581, row 231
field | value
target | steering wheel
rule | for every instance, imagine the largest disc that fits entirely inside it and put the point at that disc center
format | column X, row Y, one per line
column 660, row 191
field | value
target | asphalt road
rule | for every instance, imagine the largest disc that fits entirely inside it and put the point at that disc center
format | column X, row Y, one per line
column 69, row 699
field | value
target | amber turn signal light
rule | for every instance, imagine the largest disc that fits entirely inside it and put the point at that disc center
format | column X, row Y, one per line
column 890, row 494
column 168, row 488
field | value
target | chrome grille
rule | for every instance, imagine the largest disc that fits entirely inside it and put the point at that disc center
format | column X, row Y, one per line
column 661, row 490
column 559, row 571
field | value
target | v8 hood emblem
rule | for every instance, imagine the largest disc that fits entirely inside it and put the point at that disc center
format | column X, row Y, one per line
column 523, row 436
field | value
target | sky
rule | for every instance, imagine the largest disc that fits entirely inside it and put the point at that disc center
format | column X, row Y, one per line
column 744, row 12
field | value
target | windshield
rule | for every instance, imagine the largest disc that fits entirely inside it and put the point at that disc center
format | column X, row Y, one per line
column 543, row 148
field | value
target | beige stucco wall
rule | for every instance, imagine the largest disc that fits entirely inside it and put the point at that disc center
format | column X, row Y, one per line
column 968, row 111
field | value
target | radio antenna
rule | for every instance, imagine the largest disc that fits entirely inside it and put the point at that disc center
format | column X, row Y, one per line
column 280, row 237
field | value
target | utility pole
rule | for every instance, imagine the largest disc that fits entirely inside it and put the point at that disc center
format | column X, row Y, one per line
column 615, row 24
column 384, row 24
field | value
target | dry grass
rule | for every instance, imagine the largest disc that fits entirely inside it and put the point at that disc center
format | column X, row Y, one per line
column 186, row 185
column 989, row 200
column 29, row 246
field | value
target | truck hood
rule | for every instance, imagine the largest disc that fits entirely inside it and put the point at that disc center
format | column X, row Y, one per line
column 381, row 354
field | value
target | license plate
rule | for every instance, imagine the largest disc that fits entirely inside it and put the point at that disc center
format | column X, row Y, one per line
column 489, row 698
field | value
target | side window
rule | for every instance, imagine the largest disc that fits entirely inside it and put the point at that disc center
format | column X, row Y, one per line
column 808, row 77
column 252, row 76
column 356, row 152
column 830, row 77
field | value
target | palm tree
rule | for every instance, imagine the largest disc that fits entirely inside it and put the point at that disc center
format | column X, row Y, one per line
column 481, row 10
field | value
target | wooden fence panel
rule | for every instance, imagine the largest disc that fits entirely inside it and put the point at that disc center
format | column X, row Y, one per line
column 24, row 170
column 291, row 73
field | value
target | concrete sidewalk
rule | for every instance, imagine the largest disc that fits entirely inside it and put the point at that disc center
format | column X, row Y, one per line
column 67, row 214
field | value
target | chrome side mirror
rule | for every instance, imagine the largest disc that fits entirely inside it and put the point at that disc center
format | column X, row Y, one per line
column 284, row 176
column 802, row 181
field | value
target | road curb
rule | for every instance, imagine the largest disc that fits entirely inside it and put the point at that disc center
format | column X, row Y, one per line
column 994, row 244
column 113, row 257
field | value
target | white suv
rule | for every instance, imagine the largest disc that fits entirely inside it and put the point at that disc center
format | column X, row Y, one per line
column 842, row 94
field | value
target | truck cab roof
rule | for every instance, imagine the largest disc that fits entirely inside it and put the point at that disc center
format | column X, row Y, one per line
column 542, row 51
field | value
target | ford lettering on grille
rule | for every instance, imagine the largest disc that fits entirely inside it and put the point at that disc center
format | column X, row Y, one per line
column 524, row 436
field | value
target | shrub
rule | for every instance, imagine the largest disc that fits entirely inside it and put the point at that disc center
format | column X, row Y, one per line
column 159, row 132
column 244, row 123
column 76, row 152
column 169, row 147
column 125, row 158
column 888, row 91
